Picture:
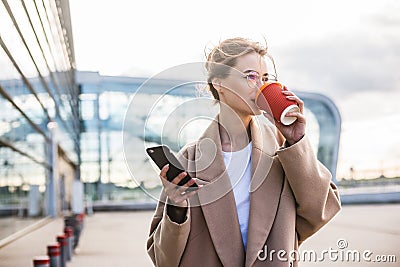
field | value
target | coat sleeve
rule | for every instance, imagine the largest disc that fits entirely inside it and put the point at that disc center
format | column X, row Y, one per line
column 317, row 197
column 167, row 239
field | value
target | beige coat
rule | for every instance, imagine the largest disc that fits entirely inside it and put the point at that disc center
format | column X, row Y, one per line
column 291, row 197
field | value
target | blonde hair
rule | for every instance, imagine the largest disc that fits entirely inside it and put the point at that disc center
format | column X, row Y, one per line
column 224, row 56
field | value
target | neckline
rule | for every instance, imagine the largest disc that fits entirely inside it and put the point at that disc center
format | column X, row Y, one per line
column 239, row 151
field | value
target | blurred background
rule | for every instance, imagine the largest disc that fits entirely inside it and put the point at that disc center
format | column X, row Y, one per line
column 74, row 79
column 348, row 51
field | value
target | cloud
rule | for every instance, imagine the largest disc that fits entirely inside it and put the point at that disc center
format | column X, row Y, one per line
column 368, row 144
column 344, row 63
column 388, row 18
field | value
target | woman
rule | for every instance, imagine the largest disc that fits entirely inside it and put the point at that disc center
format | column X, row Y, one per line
column 256, row 195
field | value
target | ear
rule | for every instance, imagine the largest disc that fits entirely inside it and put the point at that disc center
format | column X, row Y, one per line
column 216, row 82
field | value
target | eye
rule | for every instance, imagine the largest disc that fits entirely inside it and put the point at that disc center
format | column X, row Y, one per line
column 252, row 76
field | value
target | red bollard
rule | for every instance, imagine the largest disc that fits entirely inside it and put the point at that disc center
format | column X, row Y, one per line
column 53, row 251
column 62, row 239
column 41, row 261
column 69, row 232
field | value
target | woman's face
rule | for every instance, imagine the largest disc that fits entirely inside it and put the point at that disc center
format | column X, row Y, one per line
column 235, row 89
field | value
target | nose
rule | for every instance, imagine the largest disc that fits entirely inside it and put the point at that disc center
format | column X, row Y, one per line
column 260, row 82
column 255, row 89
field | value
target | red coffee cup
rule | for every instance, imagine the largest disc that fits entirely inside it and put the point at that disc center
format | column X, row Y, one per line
column 269, row 98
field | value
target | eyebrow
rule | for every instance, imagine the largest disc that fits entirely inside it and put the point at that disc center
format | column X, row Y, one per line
column 249, row 70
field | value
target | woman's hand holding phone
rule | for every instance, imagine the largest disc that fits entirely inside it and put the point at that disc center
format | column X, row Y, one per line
column 177, row 195
column 178, row 185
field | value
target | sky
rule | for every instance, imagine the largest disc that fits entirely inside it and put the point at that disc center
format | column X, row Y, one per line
column 347, row 50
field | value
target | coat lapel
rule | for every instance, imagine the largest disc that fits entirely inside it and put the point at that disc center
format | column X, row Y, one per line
column 217, row 199
column 266, row 187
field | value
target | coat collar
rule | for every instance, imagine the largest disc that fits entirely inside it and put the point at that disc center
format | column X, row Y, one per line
column 217, row 199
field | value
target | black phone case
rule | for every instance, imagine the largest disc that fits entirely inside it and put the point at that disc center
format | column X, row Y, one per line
column 162, row 155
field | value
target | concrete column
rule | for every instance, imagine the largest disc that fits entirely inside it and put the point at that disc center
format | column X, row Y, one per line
column 51, row 196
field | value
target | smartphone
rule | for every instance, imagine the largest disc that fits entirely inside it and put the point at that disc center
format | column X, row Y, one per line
column 162, row 155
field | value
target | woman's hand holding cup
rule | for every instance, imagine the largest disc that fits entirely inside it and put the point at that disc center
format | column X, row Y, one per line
column 286, row 109
column 295, row 131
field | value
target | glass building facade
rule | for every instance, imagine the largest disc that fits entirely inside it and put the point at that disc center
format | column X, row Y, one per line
column 39, row 118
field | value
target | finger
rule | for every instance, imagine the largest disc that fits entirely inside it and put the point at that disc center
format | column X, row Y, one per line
column 291, row 96
column 298, row 101
column 200, row 182
column 183, row 188
column 287, row 92
column 164, row 171
column 179, row 178
column 300, row 117
column 292, row 114
column 190, row 183
column 163, row 175
column 295, row 98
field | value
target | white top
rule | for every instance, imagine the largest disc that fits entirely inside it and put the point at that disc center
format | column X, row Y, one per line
column 238, row 166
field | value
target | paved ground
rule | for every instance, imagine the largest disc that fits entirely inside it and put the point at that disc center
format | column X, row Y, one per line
column 10, row 225
column 119, row 239
column 359, row 228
